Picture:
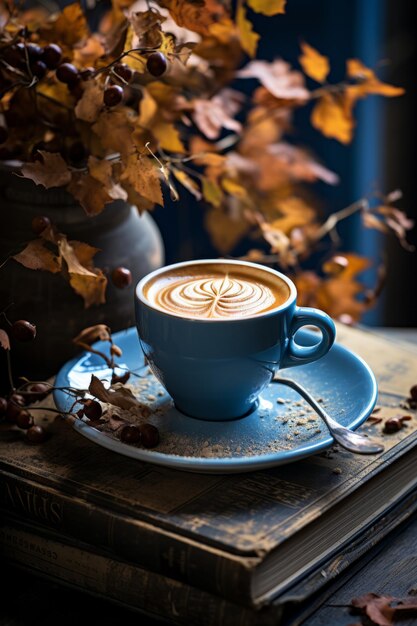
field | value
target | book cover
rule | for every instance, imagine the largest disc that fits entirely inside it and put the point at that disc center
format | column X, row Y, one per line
column 215, row 532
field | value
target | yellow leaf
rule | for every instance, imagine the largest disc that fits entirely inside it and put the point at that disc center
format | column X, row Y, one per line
column 313, row 63
column 134, row 59
column 148, row 109
column 90, row 285
column 168, row 137
column 268, row 7
column 248, row 38
column 234, row 188
column 143, row 175
column 368, row 82
column 332, row 115
column 187, row 182
column 212, row 192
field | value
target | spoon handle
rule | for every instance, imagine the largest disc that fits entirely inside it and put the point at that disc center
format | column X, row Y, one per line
column 354, row 442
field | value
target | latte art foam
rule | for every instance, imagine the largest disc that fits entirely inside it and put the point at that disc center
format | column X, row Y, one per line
column 216, row 297
column 217, row 291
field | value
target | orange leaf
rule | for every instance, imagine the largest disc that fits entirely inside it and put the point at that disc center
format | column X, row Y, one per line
column 225, row 230
column 51, row 172
column 89, row 284
column 332, row 115
column 313, row 63
column 144, row 178
column 368, row 82
column 268, row 7
column 248, row 38
column 36, row 256
column 70, row 27
column 102, row 170
column 187, row 182
column 278, row 78
column 115, row 131
column 168, row 137
column 198, row 16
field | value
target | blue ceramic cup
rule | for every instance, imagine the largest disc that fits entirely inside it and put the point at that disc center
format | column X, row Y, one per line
column 215, row 369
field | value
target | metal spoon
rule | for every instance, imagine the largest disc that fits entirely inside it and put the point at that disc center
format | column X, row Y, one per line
column 346, row 438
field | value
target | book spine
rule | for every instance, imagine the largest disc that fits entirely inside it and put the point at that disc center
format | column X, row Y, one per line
column 134, row 587
column 138, row 542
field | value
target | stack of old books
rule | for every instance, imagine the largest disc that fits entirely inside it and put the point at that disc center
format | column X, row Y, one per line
column 203, row 549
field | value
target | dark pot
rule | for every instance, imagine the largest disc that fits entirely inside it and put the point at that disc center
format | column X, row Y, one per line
column 125, row 239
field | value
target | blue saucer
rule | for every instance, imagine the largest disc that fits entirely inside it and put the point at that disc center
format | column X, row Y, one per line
column 282, row 429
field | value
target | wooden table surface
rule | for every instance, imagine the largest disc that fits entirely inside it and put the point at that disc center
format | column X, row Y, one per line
column 390, row 568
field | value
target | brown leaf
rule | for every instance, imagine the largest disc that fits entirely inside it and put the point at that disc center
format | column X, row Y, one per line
column 89, row 192
column 121, row 397
column 370, row 220
column 225, row 229
column 143, row 175
column 376, row 607
column 398, row 222
column 36, row 256
column 212, row 115
column 90, row 104
column 115, row 131
column 89, row 284
column 99, row 332
column 248, row 37
column 70, row 27
column 102, row 170
column 52, row 171
column 368, row 82
column 147, row 27
column 199, row 16
column 278, row 78
column 88, row 54
column 332, row 115
column 268, row 7
column 4, row 340
column 314, row 64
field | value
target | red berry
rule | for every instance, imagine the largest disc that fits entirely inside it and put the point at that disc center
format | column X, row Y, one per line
column 38, row 68
column 157, row 64
column 121, row 277
column 37, row 391
column 34, row 51
column 22, row 330
column 36, row 434
column 124, row 71
column 130, row 434
column 149, row 435
column 3, row 406
column 51, row 55
column 67, row 73
column 393, row 425
column 113, row 95
column 39, row 223
column 3, row 134
column 24, row 420
column 92, row 409
column 14, row 406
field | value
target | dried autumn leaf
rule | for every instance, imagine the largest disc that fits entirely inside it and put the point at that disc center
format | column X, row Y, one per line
column 212, row 192
column 99, row 332
column 332, row 115
column 368, row 82
column 89, row 192
column 121, row 397
column 398, row 222
column 278, row 78
column 168, row 137
column 199, row 16
column 115, row 129
column 376, row 607
column 88, row 54
column 36, row 256
column 268, row 7
column 248, row 37
column 314, row 64
column 102, row 170
column 370, row 220
column 4, row 340
column 147, row 27
column 70, row 27
column 212, row 115
column 187, row 182
column 225, row 229
column 135, row 60
column 52, row 171
column 89, row 284
column 90, row 104
column 142, row 174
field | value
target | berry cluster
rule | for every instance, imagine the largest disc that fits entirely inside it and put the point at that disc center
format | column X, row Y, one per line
column 14, row 410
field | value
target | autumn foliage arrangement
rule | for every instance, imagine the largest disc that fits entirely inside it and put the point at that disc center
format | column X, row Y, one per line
column 142, row 110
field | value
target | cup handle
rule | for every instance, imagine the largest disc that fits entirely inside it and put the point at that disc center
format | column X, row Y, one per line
column 300, row 355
